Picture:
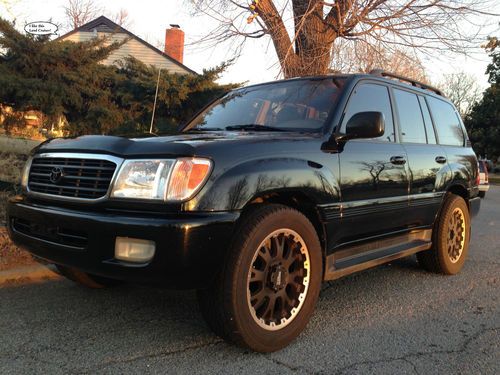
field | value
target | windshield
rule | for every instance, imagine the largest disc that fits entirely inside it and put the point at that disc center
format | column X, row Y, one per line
column 301, row 105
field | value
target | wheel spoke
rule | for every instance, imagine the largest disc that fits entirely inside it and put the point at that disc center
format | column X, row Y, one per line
column 278, row 243
column 264, row 253
column 269, row 310
column 258, row 298
column 291, row 260
column 257, row 275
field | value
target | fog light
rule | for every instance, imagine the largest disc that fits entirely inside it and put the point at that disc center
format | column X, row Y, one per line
column 134, row 249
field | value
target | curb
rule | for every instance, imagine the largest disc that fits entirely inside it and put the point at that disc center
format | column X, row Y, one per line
column 32, row 273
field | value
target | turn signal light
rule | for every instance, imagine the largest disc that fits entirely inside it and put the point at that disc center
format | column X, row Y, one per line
column 188, row 175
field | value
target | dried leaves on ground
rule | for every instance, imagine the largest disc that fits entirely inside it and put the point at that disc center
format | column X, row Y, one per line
column 11, row 166
column 12, row 256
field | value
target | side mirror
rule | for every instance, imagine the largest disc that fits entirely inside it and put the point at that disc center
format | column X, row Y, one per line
column 365, row 125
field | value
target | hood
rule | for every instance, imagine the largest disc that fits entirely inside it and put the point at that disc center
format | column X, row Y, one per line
column 186, row 144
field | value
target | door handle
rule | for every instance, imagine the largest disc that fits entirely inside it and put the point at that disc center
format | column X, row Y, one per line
column 398, row 160
column 440, row 159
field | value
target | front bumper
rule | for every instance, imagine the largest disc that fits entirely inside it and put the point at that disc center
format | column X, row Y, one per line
column 190, row 247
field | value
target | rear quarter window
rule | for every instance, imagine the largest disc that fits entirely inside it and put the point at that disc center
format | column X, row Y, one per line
column 447, row 123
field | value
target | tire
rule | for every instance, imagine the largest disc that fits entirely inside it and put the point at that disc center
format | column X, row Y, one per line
column 237, row 306
column 86, row 279
column 450, row 238
column 482, row 194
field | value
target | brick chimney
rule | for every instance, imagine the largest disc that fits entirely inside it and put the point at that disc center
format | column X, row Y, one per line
column 174, row 42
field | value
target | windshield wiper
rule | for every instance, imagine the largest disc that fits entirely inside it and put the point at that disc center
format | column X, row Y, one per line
column 255, row 127
column 205, row 129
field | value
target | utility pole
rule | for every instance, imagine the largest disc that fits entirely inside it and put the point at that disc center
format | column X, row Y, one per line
column 154, row 104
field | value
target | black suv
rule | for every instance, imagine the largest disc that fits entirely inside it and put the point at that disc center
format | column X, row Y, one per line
column 267, row 192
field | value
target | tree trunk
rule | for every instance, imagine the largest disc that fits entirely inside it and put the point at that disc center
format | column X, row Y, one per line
column 309, row 52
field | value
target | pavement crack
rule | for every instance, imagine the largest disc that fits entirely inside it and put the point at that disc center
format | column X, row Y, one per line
column 291, row 367
column 165, row 353
column 463, row 348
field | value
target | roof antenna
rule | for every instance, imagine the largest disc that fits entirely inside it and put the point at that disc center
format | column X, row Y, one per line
column 154, row 104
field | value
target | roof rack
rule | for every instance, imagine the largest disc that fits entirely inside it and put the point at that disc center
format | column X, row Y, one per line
column 383, row 73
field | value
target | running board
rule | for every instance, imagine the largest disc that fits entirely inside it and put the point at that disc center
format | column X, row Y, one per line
column 361, row 257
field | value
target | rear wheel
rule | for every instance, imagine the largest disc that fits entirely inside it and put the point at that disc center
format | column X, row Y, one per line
column 450, row 238
column 86, row 279
column 268, row 289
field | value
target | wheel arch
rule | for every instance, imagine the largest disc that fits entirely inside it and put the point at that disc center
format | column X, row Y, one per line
column 459, row 190
column 297, row 200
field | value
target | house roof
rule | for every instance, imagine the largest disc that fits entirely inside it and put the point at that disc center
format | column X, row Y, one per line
column 105, row 25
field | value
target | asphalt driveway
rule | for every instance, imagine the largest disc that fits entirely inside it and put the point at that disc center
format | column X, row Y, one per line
column 392, row 319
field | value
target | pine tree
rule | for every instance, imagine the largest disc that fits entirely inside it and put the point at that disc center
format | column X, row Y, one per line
column 63, row 78
column 483, row 123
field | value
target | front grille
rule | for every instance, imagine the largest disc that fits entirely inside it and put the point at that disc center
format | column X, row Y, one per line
column 71, row 177
column 54, row 234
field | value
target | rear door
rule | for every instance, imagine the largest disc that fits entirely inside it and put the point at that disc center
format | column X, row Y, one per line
column 452, row 137
column 373, row 172
column 427, row 161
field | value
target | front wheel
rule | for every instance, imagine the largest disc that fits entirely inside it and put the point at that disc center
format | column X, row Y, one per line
column 268, row 289
column 450, row 238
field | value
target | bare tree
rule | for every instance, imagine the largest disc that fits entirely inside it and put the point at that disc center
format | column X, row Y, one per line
column 354, row 57
column 304, row 32
column 79, row 12
column 6, row 7
column 462, row 89
column 122, row 18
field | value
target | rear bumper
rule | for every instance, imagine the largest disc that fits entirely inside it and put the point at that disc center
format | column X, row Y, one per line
column 484, row 187
column 190, row 247
column 474, row 206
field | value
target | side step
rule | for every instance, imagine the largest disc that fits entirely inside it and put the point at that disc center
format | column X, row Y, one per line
column 360, row 257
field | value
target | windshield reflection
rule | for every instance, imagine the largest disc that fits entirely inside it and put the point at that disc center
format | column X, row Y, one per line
column 299, row 105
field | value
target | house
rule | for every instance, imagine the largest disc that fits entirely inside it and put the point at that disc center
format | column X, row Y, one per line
column 171, row 59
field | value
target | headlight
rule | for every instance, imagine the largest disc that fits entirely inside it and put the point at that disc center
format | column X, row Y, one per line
column 162, row 179
column 26, row 172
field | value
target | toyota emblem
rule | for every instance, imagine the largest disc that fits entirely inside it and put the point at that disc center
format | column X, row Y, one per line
column 56, row 174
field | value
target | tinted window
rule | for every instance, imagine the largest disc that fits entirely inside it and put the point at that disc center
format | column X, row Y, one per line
column 447, row 123
column 411, row 122
column 294, row 105
column 429, row 128
column 371, row 97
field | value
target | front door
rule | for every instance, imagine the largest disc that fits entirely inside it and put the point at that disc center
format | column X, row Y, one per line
column 373, row 173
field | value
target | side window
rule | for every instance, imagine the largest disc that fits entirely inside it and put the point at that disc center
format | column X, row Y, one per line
column 446, row 121
column 429, row 128
column 371, row 97
column 411, row 122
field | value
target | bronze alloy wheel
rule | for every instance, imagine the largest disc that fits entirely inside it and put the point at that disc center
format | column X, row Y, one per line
column 268, row 288
column 457, row 232
column 278, row 280
column 450, row 238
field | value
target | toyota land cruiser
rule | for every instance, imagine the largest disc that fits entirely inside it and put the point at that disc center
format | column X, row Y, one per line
column 267, row 192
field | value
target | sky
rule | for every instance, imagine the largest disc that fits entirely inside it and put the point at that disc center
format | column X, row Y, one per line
column 258, row 62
